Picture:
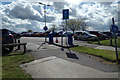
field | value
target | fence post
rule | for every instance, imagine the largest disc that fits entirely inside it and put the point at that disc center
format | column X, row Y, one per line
column 18, row 45
column 99, row 41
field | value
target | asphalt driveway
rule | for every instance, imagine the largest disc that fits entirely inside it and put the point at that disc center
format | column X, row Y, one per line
column 74, row 65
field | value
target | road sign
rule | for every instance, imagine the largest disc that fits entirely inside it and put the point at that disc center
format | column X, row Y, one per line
column 45, row 28
column 66, row 14
column 114, row 29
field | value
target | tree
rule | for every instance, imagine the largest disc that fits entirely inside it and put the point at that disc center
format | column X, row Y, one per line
column 53, row 28
column 29, row 31
column 77, row 24
column 83, row 24
column 73, row 24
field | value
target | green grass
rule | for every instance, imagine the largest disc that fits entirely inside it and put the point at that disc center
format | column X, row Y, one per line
column 105, row 54
column 10, row 65
column 107, row 42
column 0, row 67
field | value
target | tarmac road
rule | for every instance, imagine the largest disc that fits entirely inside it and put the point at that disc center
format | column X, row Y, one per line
column 82, row 63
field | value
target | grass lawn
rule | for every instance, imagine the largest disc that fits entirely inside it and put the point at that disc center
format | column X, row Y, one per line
column 105, row 54
column 10, row 65
column 107, row 42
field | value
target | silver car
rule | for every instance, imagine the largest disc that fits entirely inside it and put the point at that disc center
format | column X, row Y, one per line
column 83, row 35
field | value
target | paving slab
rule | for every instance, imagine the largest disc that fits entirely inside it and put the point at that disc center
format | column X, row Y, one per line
column 54, row 67
column 107, row 48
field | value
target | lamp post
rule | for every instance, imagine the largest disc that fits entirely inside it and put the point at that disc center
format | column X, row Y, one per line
column 45, row 27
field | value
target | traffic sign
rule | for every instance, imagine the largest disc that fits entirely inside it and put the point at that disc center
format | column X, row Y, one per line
column 45, row 28
column 66, row 14
column 114, row 29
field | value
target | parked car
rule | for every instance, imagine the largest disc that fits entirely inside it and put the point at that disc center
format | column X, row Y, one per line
column 118, row 34
column 34, row 34
column 98, row 34
column 109, row 34
column 16, row 35
column 29, row 34
column 24, row 34
column 77, row 34
column 55, row 34
column 6, row 38
column 39, row 34
column 67, row 33
column 83, row 35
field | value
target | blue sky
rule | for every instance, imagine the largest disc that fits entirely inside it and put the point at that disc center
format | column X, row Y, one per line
column 21, row 16
column 4, row 3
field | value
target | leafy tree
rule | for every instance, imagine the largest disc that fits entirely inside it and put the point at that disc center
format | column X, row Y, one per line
column 53, row 28
column 73, row 24
column 77, row 24
column 83, row 24
column 30, row 31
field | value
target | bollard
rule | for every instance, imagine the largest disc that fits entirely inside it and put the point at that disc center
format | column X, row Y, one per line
column 18, row 45
column 50, row 38
column 70, row 40
column 99, row 41
column 15, row 40
column 56, row 39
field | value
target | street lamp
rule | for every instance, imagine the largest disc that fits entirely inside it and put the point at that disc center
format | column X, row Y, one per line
column 44, row 18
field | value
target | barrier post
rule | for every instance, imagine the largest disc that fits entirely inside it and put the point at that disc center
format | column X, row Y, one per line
column 50, row 38
column 70, row 40
column 18, row 45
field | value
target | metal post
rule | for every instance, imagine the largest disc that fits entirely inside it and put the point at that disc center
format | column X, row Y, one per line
column 66, row 31
column 24, row 48
column 45, row 20
column 18, row 45
column 117, row 59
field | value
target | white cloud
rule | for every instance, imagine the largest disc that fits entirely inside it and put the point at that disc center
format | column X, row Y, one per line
column 23, row 16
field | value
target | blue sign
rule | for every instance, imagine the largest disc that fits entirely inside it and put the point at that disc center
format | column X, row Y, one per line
column 114, row 29
column 66, row 14
column 45, row 28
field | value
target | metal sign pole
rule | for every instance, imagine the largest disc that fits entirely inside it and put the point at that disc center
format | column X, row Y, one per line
column 45, row 21
column 45, row 27
column 116, row 48
column 66, row 31
column 114, row 30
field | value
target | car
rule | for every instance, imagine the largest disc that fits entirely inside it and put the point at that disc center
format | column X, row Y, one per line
column 55, row 34
column 34, row 34
column 16, row 35
column 23, row 34
column 98, row 34
column 6, row 38
column 29, row 34
column 76, row 34
column 109, row 34
column 83, row 35
column 67, row 33
column 39, row 34
column 118, row 34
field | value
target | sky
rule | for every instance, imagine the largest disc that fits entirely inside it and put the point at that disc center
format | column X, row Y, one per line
column 22, row 15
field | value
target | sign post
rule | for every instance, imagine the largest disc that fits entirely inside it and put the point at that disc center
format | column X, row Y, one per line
column 114, row 29
column 45, row 28
column 65, row 17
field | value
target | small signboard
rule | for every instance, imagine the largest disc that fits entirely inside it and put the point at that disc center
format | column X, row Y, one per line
column 114, row 29
column 66, row 14
column 45, row 28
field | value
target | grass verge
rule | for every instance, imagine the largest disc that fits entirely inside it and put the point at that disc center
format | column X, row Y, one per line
column 105, row 54
column 107, row 42
column 10, row 66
